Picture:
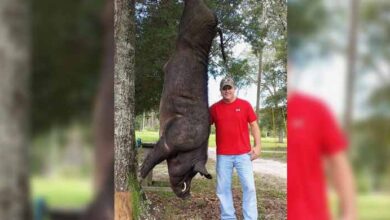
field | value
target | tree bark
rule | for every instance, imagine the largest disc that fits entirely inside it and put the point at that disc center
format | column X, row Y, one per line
column 14, row 109
column 102, row 207
column 351, row 60
column 124, row 89
column 273, row 122
column 104, row 104
column 260, row 57
column 280, row 136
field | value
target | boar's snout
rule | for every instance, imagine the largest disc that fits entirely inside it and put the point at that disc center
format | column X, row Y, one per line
column 182, row 186
column 182, row 189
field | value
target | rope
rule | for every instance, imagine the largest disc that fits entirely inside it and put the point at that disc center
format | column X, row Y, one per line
column 223, row 49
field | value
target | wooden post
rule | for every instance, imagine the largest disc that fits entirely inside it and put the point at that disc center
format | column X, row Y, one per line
column 124, row 89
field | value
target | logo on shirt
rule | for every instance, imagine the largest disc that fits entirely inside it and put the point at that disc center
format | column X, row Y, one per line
column 238, row 109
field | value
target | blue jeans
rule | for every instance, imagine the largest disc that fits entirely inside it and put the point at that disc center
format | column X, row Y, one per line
column 243, row 165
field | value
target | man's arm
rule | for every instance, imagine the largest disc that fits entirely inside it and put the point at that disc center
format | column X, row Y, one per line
column 343, row 181
column 211, row 111
column 255, row 130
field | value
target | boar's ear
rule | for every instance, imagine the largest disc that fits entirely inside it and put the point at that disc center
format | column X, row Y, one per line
column 199, row 167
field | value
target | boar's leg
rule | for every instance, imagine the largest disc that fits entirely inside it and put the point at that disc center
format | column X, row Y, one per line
column 201, row 168
column 180, row 135
column 159, row 153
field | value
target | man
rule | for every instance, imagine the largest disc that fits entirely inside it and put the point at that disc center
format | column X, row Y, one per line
column 231, row 117
column 313, row 136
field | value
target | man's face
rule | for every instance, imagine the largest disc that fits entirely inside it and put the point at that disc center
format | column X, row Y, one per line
column 227, row 93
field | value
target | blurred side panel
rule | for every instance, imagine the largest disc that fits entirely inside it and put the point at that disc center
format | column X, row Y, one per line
column 14, row 109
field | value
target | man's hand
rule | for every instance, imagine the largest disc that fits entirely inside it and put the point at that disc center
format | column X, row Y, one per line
column 255, row 152
column 255, row 130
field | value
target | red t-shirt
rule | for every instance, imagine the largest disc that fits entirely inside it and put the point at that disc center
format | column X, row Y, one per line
column 312, row 134
column 231, row 123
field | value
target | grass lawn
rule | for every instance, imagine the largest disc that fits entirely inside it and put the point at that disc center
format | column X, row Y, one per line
column 147, row 136
column 281, row 157
column 62, row 192
column 267, row 143
column 370, row 206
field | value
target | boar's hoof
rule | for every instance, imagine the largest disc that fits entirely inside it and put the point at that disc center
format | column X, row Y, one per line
column 200, row 168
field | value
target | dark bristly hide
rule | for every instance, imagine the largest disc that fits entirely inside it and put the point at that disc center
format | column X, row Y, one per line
column 184, row 114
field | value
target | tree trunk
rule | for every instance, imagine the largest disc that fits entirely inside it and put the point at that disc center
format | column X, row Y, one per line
column 143, row 121
column 260, row 56
column 104, row 111
column 285, row 123
column 273, row 123
column 102, row 207
column 281, row 125
column 281, row 136
column 14, row 109
column 351, row 60
column 124, row 89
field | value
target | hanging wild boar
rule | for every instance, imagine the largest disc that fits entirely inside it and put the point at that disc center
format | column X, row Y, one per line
column 184, row 114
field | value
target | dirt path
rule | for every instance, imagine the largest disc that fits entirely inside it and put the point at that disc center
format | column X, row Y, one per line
column 263, row 166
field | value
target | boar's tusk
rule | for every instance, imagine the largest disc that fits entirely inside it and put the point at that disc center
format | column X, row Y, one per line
column 185, row 187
